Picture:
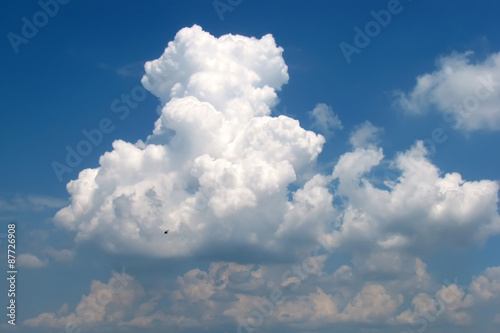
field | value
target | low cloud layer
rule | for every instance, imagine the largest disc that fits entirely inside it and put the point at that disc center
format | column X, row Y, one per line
column 250, row 298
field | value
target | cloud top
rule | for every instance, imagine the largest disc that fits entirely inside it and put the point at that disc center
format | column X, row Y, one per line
column 215, row 170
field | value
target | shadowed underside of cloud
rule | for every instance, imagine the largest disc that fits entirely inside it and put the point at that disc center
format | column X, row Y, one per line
column 217, row 170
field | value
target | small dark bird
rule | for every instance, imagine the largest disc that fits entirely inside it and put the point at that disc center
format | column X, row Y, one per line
column 166, row 232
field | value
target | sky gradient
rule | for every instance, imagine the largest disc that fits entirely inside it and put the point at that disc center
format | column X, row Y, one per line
column 320, row 166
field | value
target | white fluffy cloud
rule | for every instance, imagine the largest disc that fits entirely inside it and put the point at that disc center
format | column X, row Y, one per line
column 467, row 93
column 215, row 170
column 420, row 210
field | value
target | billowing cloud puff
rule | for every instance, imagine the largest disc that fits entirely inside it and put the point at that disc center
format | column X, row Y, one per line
column 459, row 305
column 468, row 94
column 254, row 297
column 216, row 169
column 237, row 75
column 224, row 293
column 487, row 286
column 106, row 303
column 420, row 210
column 237, row 187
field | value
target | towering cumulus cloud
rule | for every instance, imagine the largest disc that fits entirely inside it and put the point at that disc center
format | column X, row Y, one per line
column 217, row 167
column 216, row 171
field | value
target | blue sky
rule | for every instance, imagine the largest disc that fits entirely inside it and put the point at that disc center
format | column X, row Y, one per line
column 79, row 68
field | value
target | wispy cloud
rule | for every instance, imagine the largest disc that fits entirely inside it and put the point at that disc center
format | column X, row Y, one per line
column 19, row 203
column 324, row 119
column 135, row 69
column 28, row 260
